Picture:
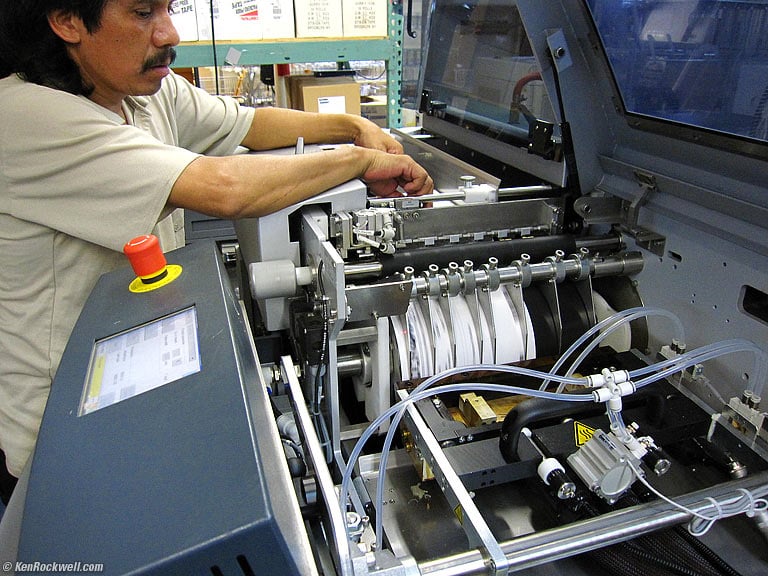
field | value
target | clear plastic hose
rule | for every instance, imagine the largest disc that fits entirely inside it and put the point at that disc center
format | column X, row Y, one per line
column 657, row 372
column 692, row 357
column 617, row 425
column 421, row 392
column 610, row 324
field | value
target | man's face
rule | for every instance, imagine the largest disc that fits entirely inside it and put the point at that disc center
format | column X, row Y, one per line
column 131, row 51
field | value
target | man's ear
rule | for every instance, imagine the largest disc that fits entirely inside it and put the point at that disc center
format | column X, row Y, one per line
column 66, row 26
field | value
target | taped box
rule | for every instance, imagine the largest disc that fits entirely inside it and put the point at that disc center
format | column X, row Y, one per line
column 365, row 18
column 184, row 18
column 318, row 18
column 232, row 20
column 277, row 19
column 324, row 95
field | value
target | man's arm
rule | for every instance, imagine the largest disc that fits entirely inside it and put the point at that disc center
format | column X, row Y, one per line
column 281, row 127
column 254, row 185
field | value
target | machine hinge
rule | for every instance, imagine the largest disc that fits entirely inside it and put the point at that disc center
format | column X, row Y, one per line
column 647, row 239
column 610, row 209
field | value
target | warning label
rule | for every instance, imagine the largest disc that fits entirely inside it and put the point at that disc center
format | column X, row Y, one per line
column 582, row 433
column 459, row 511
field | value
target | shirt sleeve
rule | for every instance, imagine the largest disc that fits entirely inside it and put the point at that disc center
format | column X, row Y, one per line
column 204, row 123
column 69, row 166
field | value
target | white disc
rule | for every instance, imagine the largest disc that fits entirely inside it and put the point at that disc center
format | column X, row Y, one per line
column 509, row 339
column 400, row 332
column 486, row 349
column 530, row 352
column 420, row 340
column 621, row 338
column 467, row 348
column 441, row 338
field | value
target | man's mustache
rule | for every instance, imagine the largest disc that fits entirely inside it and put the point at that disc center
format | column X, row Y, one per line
column 165, row 56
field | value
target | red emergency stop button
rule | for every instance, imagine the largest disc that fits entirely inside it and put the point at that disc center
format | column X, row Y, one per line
column 146, row 256
column 149, row 264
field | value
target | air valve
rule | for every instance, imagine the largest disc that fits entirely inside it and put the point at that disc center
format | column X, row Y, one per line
column 551, row 471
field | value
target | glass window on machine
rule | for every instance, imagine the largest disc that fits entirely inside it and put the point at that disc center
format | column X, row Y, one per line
column 481, row 72
column 702, row 63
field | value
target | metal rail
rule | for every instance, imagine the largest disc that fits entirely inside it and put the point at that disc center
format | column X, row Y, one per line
column 325, row 483
column 556, row 544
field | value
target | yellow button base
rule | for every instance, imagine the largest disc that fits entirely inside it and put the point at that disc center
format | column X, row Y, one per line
column 137, row 286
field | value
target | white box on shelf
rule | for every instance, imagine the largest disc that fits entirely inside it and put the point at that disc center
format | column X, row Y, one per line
column 184, row 17
column 277, row 19
column 232, row 20
column 365, row 18
column 318, row 18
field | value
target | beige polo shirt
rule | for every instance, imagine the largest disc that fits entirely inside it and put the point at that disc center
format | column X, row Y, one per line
column 76, row 184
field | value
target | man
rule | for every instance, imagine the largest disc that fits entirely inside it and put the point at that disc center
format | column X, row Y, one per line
column 98, row 142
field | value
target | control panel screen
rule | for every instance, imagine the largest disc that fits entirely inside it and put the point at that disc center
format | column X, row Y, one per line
column 141, row 359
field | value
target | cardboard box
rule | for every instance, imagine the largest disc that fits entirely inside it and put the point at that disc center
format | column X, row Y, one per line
column 233, row 20
column 277, row 19
column 324, row 95
column 365, row 18
column 376, row 111
column 318, row 18
column 184, row 18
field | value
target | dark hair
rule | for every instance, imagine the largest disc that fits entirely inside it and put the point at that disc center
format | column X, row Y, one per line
column 30, row 49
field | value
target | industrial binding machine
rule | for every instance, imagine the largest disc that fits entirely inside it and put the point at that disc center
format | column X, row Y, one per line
column 552, row 365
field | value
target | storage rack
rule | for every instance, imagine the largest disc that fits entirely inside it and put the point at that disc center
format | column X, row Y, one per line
column 253, row 53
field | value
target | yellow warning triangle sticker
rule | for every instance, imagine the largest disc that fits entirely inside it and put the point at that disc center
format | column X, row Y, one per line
column 459, row 511
column 582, row 432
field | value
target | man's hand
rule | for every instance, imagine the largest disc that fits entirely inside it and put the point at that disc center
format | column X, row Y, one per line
column 371, row 136
column 389, row 174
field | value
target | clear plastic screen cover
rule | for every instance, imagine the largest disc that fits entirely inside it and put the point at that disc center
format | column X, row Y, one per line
column 141, row 359
column 481, row 68
column 700, row 63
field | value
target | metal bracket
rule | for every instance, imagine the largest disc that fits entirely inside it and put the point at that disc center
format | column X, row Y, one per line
column 648, row 186
column 338, row 533
column 614, row 210
column 541, row 141
column 599, row 209
column 647, row 239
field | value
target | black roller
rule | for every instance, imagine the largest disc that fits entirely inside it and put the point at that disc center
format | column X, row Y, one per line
column 574, row 314
column 574, row 317
column 505, row 250
column 543, row 321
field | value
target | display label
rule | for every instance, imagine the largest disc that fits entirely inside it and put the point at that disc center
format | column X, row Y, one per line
column 141, row 359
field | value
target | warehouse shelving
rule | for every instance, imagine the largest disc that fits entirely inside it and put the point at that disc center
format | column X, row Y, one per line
column 251, row 53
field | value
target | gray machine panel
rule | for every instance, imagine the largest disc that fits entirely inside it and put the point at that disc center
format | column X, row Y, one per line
column 181, row 479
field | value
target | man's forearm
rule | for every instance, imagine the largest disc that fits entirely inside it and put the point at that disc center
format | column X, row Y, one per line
column 279, row 127
column 254, row 185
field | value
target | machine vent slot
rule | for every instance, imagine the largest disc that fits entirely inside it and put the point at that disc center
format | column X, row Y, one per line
column 242, row 561
column 754, row 303
column 245, row 566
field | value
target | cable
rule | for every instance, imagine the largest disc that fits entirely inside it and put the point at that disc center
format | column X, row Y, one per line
column 213, row 47
column 321, row 370
column 667, row 552
column 665, row 368
column 616, row 325
column 700, row 524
